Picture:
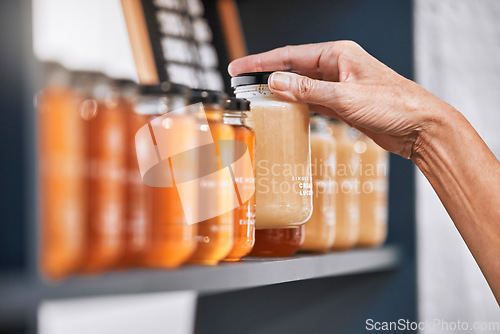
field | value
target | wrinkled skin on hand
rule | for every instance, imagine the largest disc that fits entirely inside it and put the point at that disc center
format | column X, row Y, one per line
column 340, row 79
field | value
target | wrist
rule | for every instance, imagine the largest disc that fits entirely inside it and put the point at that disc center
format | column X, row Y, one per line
column 443, row 122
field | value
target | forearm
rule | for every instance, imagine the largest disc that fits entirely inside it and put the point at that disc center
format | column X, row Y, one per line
column 466, row 176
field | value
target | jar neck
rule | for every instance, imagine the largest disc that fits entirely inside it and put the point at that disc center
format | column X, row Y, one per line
column 83, row 83
column 342, row 130
column 56, row 75
column 339, row 129
column 235, row 117
column 319, row 124
column 157, row 105
column 252, row 91
column 128, row 91
column 212, row 112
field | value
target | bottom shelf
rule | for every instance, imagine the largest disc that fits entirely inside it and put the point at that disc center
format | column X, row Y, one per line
column 18, row 294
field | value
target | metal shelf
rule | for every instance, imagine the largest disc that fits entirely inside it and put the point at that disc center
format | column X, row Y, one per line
column 21, row 294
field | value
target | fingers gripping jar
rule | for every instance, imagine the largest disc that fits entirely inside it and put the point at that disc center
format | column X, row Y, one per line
column 282, row 154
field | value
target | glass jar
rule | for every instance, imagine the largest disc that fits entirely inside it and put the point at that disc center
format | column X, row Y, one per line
column 282, row 154
column 373, row 197
column 137, row 196
column 244, row 178
column 61, row 154
column 216, row 198
column 347, row 186
column 106, row 166
column 320, row 228
column 278, row 242
column 163, row 142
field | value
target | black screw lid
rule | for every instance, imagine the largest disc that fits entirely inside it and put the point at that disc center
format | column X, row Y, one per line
column 164, row 88
column 234, row 104
column 207, row 97
column 253, row 78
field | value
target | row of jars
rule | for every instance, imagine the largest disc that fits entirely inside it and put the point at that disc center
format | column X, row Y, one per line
column 156, row 176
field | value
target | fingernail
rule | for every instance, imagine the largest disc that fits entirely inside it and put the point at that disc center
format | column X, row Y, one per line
column 280, row 81
column 229, row 69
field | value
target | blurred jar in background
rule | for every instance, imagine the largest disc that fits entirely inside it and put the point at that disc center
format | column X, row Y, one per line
column 217, row 197
column 244, row 178
column 137, row 194
column 373, row 197
column 106, row 167
column 320, row 228
column 61, row 150
column 348, row 184
column 278, row 242
column 168, row 129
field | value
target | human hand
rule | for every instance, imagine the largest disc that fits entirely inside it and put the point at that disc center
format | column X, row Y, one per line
column 343, row 81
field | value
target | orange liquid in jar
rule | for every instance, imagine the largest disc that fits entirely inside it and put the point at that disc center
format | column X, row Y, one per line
column 347, row 192
column 171, row 240
column 61, row 149
column 373, row 198
column 138, row 196
column 106, row 162
column 278, row 242
column 215, row 235
column 244, row 215
column 320, row 228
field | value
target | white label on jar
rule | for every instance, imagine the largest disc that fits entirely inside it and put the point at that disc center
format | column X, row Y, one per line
column 250, row 222
column 304, row 184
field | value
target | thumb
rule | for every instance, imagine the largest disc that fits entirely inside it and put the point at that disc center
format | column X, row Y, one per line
column 295, row 87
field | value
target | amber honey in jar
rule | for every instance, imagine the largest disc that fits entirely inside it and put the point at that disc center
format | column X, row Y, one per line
column 137, row 195
column 282, row 154
column 217, row 195
column 61, row 153
column 320, row 228
column 373, row 197
column 163, row 145
column 244, row 178
column 278, row 242
column 106, row 166
column 347, row 186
